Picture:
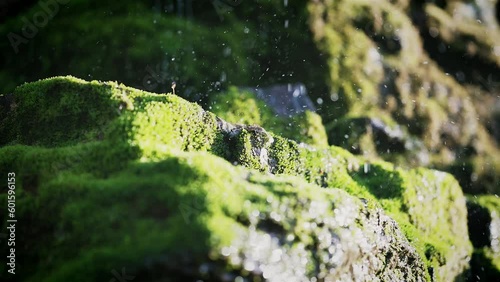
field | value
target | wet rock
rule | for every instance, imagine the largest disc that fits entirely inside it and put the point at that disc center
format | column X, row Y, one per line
column 285, row 100
column 160, row 202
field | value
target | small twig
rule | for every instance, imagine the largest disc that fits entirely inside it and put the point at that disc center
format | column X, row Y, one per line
column 173, row 86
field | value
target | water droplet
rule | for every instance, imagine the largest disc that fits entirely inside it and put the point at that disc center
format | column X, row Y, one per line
column 334, row 97
column 434, row 32
column 366, row 167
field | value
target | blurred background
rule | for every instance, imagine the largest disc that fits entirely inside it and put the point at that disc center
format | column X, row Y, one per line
column 410, row 81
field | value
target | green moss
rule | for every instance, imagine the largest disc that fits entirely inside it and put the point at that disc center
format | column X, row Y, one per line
column 72, row 209
column 242, row 107
column 306, row 127
column 446, row 245
column 141, row 148
column 75, row 111
column 355, row 35
column 407, row 196
column 492, row 202
column 72, row 110
column 162, row 123
column 284, row 156
column 189, row 209
column 249, row 147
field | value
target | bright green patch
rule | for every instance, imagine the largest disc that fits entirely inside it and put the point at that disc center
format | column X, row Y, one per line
column 242, row 107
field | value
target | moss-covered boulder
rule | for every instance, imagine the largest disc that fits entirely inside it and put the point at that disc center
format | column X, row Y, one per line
column 428, row 67
column 111, row 180
column 177, row 219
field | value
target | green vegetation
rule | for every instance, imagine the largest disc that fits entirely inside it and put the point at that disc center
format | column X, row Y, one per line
column 242, row 107
column 117, row 46
column 135, row 151
column 379, row 69
column 110, row 176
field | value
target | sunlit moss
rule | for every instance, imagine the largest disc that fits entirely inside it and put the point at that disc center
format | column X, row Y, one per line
column 137, row 161
column 243, row 107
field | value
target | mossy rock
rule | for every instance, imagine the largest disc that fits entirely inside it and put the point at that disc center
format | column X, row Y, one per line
column 406, row 86
column 199, row 213
column 379, row 69
column 355, row 57
column 151, row 204
column 177, row 219
column 405, row 195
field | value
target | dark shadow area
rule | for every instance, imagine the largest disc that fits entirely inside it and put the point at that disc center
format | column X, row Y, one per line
column 125, row 231
column 478, row 222
column 150, row 44
column 497, row 8
column 12, row 8
column 463, row 173
column 482, row 269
